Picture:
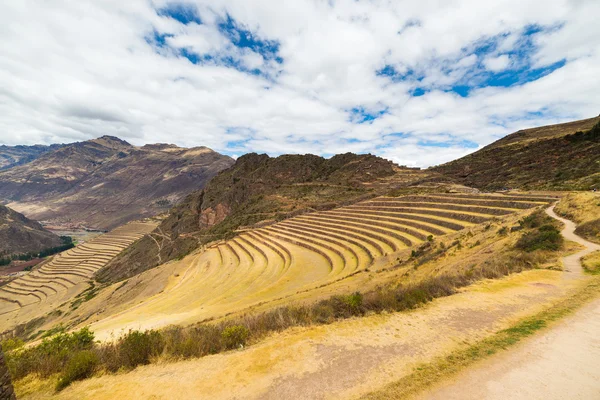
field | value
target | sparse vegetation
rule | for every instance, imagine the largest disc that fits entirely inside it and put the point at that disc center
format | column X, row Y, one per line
column 571, row 151
column 591, row 263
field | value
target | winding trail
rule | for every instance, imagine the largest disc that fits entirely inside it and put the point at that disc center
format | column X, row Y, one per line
column 561, row 363
column 572, row 263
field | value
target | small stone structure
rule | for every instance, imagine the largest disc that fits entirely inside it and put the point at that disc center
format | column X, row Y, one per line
column 6, row 388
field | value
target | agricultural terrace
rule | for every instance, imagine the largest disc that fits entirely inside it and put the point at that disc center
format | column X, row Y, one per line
column 69, row 268
column 310, row 251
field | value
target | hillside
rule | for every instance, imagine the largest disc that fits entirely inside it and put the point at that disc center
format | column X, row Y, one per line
column 555, row 157
column 12, row 156
column 260, row 189
column 19, row 234
column 105, row 182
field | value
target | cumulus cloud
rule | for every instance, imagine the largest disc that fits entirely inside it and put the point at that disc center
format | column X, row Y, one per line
column 497, row 64
column 420, row 83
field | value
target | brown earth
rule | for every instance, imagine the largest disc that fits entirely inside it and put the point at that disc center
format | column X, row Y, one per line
column 11, row 156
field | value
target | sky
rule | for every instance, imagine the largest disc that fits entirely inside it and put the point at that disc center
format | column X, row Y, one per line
column 418, row 82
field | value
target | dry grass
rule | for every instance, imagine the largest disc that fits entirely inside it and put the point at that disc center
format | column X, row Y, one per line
column 591, row 263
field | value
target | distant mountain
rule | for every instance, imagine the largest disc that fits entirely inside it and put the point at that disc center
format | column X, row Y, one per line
column 19, row 234
column 559, row 157
column 105, row 182
column 256, row 190
column 11, row 156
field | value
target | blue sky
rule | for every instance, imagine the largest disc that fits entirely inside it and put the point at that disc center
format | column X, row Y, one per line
column 420, row 83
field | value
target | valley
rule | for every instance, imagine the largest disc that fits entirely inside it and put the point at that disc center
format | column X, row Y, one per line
column 288, row 268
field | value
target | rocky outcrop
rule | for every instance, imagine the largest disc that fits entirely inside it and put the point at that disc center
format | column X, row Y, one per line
column 212, row 216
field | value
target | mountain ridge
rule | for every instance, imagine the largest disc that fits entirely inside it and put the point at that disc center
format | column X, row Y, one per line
column 105, row 182
column 570, row 161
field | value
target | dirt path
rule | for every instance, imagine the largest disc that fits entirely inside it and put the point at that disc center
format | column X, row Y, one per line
column 562, row 363
column 559, row 364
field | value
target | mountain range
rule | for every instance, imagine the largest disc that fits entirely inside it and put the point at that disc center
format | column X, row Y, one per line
column 105, row 182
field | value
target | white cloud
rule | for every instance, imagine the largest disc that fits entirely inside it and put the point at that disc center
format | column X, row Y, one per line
column 497, row 64
column 76, row 70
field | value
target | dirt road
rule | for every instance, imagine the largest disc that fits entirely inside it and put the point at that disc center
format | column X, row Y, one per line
column 561, row 363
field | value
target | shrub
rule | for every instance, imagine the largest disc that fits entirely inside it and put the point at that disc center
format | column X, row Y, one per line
column 235, row 336
column 12, row 344
column 546, row 237
column 193, row 342
column 81, row 366
column 50, row 356
column 137, row 347
column 354, row 300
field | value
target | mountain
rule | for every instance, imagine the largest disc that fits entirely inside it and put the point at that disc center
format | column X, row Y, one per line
column 105, row 182
column 260, row 189
column 11, row 156
column 556, row 157
column 19, row 234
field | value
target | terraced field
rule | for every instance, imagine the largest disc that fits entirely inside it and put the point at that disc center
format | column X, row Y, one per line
column 70, row 268
column 311, row 251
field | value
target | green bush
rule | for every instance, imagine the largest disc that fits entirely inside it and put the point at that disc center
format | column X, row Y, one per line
column 354, row 300
column 81, row 366
column 50, row 356
column 235, row 336
column 546, row 237
column 136, row 348
column 12, row 344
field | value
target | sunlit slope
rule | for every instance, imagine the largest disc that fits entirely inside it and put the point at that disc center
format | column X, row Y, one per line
column 56, row 278
column 307, row 252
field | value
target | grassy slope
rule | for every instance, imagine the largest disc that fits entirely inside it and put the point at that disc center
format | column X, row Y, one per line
column 570, row 160
column 257, row 188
